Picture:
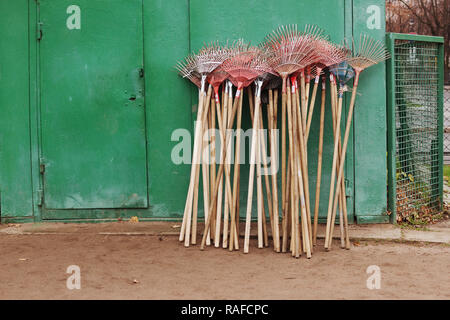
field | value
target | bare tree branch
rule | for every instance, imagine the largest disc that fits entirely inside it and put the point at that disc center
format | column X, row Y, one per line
column 420, row 18
column 432, row 17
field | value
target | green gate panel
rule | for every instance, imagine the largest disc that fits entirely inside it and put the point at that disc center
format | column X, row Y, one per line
column 15, row 166
column 370, row 119
column 77, row 103
column 168, row 99
column 92, row 105
column 252, row 20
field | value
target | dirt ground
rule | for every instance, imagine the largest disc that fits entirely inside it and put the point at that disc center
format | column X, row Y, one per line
column 159, row 267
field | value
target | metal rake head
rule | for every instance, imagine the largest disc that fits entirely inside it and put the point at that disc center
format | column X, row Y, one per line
column 316, row 71
column 317, row 36
column 244, row 50
column 197, row 66
column 186, row 69
column 216, row 77
column 237, row 48
column 367, row 53
column 343, row 72
column 246, row 65
column 329, row 53
column 210, row 57
column 289, row 50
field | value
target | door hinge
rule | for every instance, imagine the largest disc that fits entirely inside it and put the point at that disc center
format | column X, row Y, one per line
column 40, row 197
column 348, row 188
column 39, row 31
column 141, row 72
column 41, row 166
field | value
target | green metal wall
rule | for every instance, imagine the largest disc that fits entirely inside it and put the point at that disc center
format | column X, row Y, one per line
column 370, row 124
column 166, row 39
column 171, row 29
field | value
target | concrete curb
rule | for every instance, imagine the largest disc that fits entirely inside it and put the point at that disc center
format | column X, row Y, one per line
column 386, row 232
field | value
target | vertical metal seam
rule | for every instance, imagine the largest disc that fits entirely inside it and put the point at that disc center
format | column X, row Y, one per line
column 189, row 51
column 29, row 112
column 144, row 96
column 353, row 167
column 38, row 106
column 391, row 135
column 353, row 135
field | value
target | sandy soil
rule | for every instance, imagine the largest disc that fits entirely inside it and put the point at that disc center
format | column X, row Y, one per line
column 34, row 266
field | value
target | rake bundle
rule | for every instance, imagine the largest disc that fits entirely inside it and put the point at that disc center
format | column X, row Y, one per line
column 366, row 54
column 290, row 59
column 195, row 67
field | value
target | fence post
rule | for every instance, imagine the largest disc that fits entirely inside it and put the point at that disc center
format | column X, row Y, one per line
column 391, row 138
column 440, row 105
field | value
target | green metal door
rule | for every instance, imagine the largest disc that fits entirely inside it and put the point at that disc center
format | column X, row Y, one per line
column 93, row 145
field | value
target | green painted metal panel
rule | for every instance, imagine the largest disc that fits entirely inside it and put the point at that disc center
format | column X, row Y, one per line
column 92, row 105
column 252, row 20
column 370, row 117
column 15, row 166
column 165, row 92
column 168, row 100
column 381, row 218
column 34, row 92
column 350, row 157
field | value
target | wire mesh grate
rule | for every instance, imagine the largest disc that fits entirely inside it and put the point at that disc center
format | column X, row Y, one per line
column 416, row 124
column 447, row 125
